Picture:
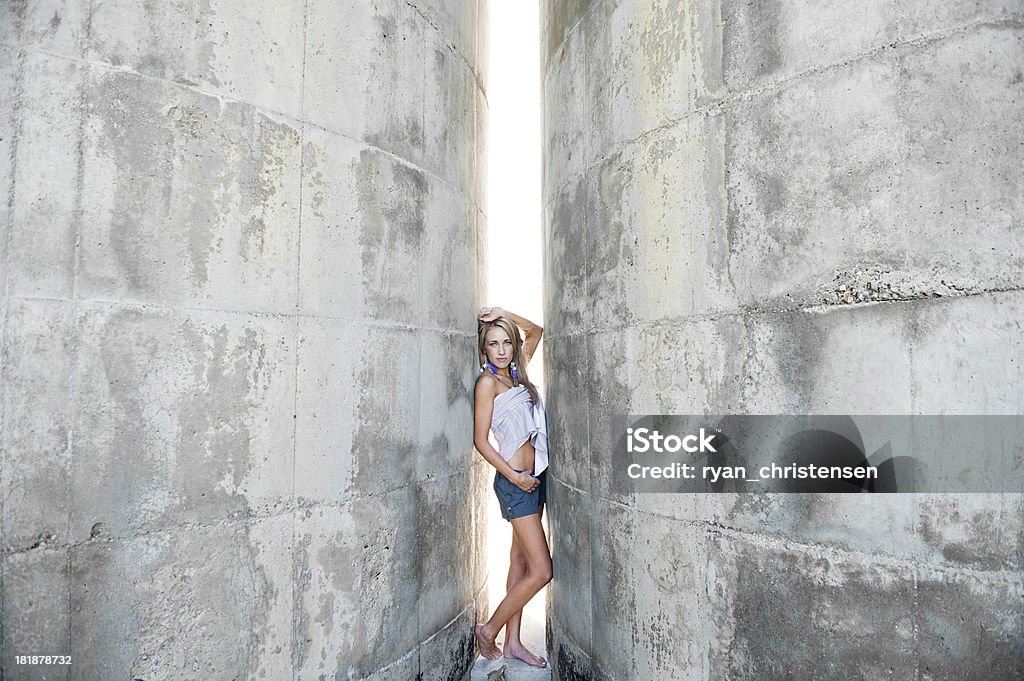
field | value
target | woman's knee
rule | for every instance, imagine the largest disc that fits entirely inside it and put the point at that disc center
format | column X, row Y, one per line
column 541, row 573
column 547, row 574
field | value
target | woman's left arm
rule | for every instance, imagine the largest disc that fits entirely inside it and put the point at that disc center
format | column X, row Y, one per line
column 533, row 332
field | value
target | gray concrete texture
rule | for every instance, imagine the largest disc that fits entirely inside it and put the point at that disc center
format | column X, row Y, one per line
column 781, row 207
column 240, row 270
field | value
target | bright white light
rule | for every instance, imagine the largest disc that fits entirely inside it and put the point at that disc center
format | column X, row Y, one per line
column 514, row 160
column 514, row 274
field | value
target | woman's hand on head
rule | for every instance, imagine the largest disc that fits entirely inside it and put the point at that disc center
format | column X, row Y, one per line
column 526, row 482
column 489, row 314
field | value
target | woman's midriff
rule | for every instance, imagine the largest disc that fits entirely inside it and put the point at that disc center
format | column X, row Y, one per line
column 523, row 458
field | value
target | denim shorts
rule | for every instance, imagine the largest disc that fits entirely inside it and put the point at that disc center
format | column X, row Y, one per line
column 515, row 503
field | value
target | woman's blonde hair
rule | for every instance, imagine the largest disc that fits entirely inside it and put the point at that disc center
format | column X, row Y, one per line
column 517, row 351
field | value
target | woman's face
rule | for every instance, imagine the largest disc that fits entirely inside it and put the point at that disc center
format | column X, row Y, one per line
column 498, row 347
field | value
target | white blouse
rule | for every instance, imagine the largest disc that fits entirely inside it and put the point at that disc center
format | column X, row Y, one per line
column 516, row 419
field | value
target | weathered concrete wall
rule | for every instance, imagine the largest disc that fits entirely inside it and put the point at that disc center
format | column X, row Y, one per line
column 782, row 207
column 240, row 255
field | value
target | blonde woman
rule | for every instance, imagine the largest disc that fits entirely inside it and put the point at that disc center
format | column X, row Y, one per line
column 507, row 403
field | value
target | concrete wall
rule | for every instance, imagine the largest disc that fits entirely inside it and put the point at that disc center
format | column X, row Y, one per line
column 781, row 207
column 240, row 250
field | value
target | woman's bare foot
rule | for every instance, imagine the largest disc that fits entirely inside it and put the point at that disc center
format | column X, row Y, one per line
column 519, row 652
column 486, row 645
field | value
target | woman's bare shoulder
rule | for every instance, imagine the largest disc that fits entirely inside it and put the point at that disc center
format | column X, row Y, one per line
column 486, row 385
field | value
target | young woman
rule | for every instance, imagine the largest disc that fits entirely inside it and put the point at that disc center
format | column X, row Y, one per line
column 507, row 403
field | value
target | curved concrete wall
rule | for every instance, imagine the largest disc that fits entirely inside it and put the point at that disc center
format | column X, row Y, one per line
column 781, row 207
column 240, row 251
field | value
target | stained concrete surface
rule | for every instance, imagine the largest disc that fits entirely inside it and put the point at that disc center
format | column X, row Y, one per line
column 781, row 207
column 240, row 262
column 224, row 410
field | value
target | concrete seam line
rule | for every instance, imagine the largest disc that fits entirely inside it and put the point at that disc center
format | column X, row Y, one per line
column 21, row 56
column 754, row 310
column 297, row 614
column 718, row 105
column 415, row 650
column 468, row 606
column 752, row 93
column 239, row 519
column 450, row 44
column 1001, row 576
column 16, row 128
column 75, row 377
column 273, row 114
column 591, row 10
column 282, row 316
column 581, row 650
column 438, row 478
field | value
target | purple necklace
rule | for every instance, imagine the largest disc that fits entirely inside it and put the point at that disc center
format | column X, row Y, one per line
column 494, row 370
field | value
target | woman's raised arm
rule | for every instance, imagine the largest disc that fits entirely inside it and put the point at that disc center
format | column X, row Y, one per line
column 531, row 331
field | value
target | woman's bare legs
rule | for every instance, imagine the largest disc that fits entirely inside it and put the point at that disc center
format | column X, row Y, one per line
column 516, row 571
column 514, row 647
column 529, row 534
